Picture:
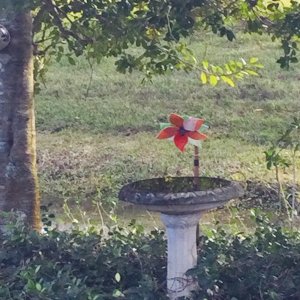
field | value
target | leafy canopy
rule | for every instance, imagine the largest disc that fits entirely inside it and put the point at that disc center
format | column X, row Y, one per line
column 156, row 29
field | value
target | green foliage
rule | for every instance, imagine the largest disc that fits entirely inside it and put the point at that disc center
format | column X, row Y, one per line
column 229, row 72
column 290, row 139
column 262, row 265
column 274, row 159
column 130, row 264
column 77, row 265
column 278, row 159
column 99, row 29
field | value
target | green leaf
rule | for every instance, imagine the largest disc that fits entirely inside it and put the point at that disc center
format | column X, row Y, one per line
column 251, row 72
column 228, row 80
column 117, row 277
column 205, row 64
column 203, row 77
column 260, row 66
column 37, row 269
column 71, row 60
column 117, row 293
column 228, row 69
column 213, row 80
column 30, row 285
column 230, row 35
column 253, row 60
column 38, row 286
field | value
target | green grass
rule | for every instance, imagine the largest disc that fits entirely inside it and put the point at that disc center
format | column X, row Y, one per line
column 89, row 146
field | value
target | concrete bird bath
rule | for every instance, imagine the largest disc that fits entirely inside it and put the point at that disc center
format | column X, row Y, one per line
column 181, row 201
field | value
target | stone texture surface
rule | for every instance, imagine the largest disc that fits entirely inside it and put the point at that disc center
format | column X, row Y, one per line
column 182, row 253
column 178, row 195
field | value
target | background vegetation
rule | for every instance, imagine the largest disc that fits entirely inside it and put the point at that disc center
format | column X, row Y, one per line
column 98, row 133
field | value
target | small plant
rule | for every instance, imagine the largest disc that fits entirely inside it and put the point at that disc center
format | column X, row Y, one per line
column 278, row 159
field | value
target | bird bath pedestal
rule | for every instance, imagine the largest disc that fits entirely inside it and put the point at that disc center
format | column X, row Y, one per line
column 181, row 201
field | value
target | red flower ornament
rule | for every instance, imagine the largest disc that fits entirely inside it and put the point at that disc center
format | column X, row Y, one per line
column 183, row 131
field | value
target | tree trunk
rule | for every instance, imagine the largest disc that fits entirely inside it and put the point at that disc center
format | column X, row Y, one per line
column 18, row 173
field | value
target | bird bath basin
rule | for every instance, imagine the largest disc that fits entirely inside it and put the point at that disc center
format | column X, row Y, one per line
column 181, row 201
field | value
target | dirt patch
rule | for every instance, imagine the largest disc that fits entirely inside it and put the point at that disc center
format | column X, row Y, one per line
column 265, row 196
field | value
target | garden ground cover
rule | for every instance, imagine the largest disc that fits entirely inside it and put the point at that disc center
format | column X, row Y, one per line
column 91, row 143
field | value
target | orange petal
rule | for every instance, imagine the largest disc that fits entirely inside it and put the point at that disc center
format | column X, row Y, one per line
column 195, row 135
column 181, row 141
column 167, row 132
column 199, row 123
column 176, row 120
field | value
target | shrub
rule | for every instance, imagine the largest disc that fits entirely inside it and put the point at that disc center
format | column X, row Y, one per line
column 77, row 265
column 130, row 264
column 264, row 265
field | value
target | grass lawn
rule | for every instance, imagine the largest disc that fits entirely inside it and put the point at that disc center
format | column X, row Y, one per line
column 90, row 145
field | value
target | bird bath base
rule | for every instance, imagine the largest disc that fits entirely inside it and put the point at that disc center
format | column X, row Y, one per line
column 181, row 201
column 182, row 252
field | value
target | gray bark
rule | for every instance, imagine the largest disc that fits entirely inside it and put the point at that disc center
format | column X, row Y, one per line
column 18, row 175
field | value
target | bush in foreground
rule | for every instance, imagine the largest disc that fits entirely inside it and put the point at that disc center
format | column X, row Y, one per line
column 82, row 265
column 263, row 265
column 129, row 264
